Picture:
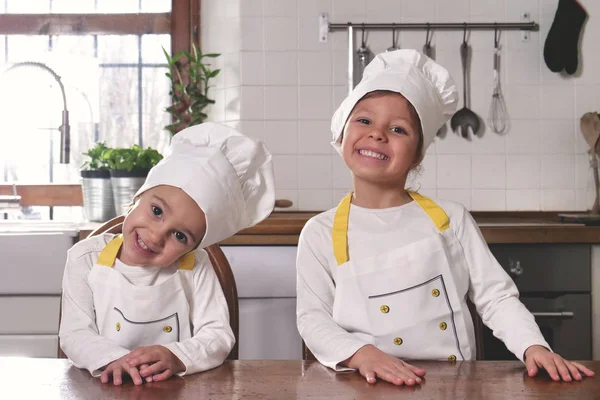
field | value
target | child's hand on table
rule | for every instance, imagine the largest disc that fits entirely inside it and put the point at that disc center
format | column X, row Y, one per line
column 117, row 368
column 156, row 363
column 557, row 367
column 373, row 363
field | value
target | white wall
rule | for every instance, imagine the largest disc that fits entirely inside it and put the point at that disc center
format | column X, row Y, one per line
column 279, row 83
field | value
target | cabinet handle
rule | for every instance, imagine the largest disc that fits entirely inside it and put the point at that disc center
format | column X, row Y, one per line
column 515, row 267
column 554, row 314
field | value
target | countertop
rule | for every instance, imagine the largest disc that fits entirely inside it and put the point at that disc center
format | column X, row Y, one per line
column 295, row 379
column 283, row 228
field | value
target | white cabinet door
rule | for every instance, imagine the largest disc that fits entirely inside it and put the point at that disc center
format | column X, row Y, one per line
column 29, row 315
column 33, row 262
column 263, row 271
column 268, row 330
column 29, row 346
column 266, row 282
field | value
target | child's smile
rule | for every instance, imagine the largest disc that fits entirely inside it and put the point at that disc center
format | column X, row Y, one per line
column 372, row 154
column 164, row 224
column 381, row 140
column 142, row 246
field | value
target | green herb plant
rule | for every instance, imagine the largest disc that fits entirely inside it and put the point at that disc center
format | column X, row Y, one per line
column 97, row 161
column 190, row 75
column 132, row 158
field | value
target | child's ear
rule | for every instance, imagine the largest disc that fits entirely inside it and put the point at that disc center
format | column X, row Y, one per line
column 418, row 161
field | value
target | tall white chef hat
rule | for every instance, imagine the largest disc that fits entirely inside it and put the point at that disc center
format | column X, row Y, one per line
column 425, row 84
column 229, row 175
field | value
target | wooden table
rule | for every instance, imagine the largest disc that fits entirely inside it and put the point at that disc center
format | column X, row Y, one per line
column 23, row 378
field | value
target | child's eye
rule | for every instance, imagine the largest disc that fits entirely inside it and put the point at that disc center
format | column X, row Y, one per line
column 364, row 121
column 397, row 129
column 157, row 211
column 181, row 237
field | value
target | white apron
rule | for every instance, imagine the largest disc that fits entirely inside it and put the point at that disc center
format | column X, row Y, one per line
column 409, row 302
column 133, row 315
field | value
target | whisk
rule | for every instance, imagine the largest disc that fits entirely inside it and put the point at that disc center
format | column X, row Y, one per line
column 497, row 116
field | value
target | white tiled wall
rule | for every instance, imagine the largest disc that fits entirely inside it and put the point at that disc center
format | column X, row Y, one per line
column 280, row 84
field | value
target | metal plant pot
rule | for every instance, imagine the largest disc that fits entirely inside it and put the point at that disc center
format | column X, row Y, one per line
column 98, row 204
column 125, row 185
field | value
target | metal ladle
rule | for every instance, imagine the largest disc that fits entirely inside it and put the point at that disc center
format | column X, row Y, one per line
column 394, row 40
column 364, row 55
column 427, row 49
column 464, row 118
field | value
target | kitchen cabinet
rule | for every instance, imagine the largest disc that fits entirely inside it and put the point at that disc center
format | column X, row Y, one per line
column 33, row 260
column 266, row 283
column 554, row 282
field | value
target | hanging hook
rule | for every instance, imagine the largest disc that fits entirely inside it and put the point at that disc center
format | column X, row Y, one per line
column 363, row 34
column 394, row 40
column 496, row 35
column 465, row 32
column 427, row 37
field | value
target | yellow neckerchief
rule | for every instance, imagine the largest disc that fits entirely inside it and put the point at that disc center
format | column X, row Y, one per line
column 110, row 251
column 340, row 222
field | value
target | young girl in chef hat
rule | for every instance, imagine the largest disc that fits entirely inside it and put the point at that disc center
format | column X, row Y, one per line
column 147, row 303
column 386, row 275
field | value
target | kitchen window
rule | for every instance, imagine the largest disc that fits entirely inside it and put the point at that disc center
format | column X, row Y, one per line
column 108, row 54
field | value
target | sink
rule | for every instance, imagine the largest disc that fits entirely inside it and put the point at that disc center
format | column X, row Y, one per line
column 33, row 260
column 34, row 255
column 29, row 226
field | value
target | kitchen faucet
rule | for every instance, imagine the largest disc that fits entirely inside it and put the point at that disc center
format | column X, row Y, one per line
column 64, row 128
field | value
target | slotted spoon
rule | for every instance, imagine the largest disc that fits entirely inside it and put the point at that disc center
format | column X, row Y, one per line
column 464, row 118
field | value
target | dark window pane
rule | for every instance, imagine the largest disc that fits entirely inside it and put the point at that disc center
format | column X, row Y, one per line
column 119, row 106
column 118, row 49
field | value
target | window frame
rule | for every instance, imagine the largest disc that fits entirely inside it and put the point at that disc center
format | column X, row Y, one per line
column 182, row 23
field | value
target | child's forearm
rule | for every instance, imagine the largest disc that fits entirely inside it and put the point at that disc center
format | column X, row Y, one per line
column 90, row 351
column 206, row 350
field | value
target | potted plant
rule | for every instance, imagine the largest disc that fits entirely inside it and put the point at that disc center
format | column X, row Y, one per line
column 129, row 168
column 190, row 76
column 98, row 204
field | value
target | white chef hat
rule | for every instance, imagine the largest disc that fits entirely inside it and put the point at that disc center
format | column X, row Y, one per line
column 229, row 175
column 425, row 84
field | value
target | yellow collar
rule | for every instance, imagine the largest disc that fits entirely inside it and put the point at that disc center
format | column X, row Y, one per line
column 340, row 222
column 110, row 251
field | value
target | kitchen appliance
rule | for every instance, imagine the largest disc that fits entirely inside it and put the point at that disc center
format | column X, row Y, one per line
column 554, row 285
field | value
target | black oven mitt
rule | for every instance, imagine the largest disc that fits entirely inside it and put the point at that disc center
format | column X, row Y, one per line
column 561, row 47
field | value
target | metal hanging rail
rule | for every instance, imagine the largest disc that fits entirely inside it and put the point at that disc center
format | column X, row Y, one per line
column 529, row 26
column 525, row 25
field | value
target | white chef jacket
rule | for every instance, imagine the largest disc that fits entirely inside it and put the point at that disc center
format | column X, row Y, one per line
column 335, row 320
column 210, row 338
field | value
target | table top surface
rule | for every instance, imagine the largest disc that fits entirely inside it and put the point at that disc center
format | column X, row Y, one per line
column 29, row 378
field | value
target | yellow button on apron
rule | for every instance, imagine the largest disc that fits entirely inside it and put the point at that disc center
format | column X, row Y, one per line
column 167, row 329
column 435, row 293
column 118, row 326
column 452, row 358
column 443, row 326
column 398, row 341
column 384, row 309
